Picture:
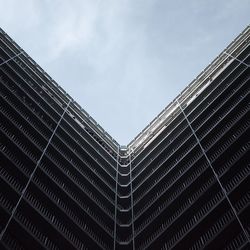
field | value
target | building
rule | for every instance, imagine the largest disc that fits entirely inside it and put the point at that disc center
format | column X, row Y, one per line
column 182, row 183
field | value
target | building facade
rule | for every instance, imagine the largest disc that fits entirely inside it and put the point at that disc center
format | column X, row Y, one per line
column 182, row 183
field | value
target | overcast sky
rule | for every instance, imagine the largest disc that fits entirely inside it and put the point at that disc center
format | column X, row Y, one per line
column 123, row 61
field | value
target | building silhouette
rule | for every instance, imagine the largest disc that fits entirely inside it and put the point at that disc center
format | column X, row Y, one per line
column 182, row 183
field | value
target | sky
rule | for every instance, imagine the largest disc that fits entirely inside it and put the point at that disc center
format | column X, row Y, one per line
column 123, row 61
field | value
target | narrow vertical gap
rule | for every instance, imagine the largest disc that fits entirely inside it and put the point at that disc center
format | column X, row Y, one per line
column 32, row 174
column 116, row 188
column 132, row 201
column 215, row 174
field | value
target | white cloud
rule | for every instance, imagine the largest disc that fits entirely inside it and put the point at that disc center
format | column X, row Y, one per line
column 123, row 60
column 19, row 16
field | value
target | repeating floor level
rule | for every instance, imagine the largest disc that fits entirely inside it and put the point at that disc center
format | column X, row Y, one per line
column 182, row 183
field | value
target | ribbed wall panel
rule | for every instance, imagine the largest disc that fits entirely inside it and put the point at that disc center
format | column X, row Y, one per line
column 66, row 184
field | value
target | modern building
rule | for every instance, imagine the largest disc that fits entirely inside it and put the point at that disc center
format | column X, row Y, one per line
column 182, row 183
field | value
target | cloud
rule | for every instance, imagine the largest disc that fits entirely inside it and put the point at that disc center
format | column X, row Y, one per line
column 123, row 61
column 16, row 16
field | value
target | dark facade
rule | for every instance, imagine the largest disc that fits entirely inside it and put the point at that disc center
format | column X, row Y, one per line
column 182, row 183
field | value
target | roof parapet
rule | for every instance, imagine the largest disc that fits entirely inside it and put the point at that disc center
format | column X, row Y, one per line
column 58, row 90
column 195, row 88
column 157, row 125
